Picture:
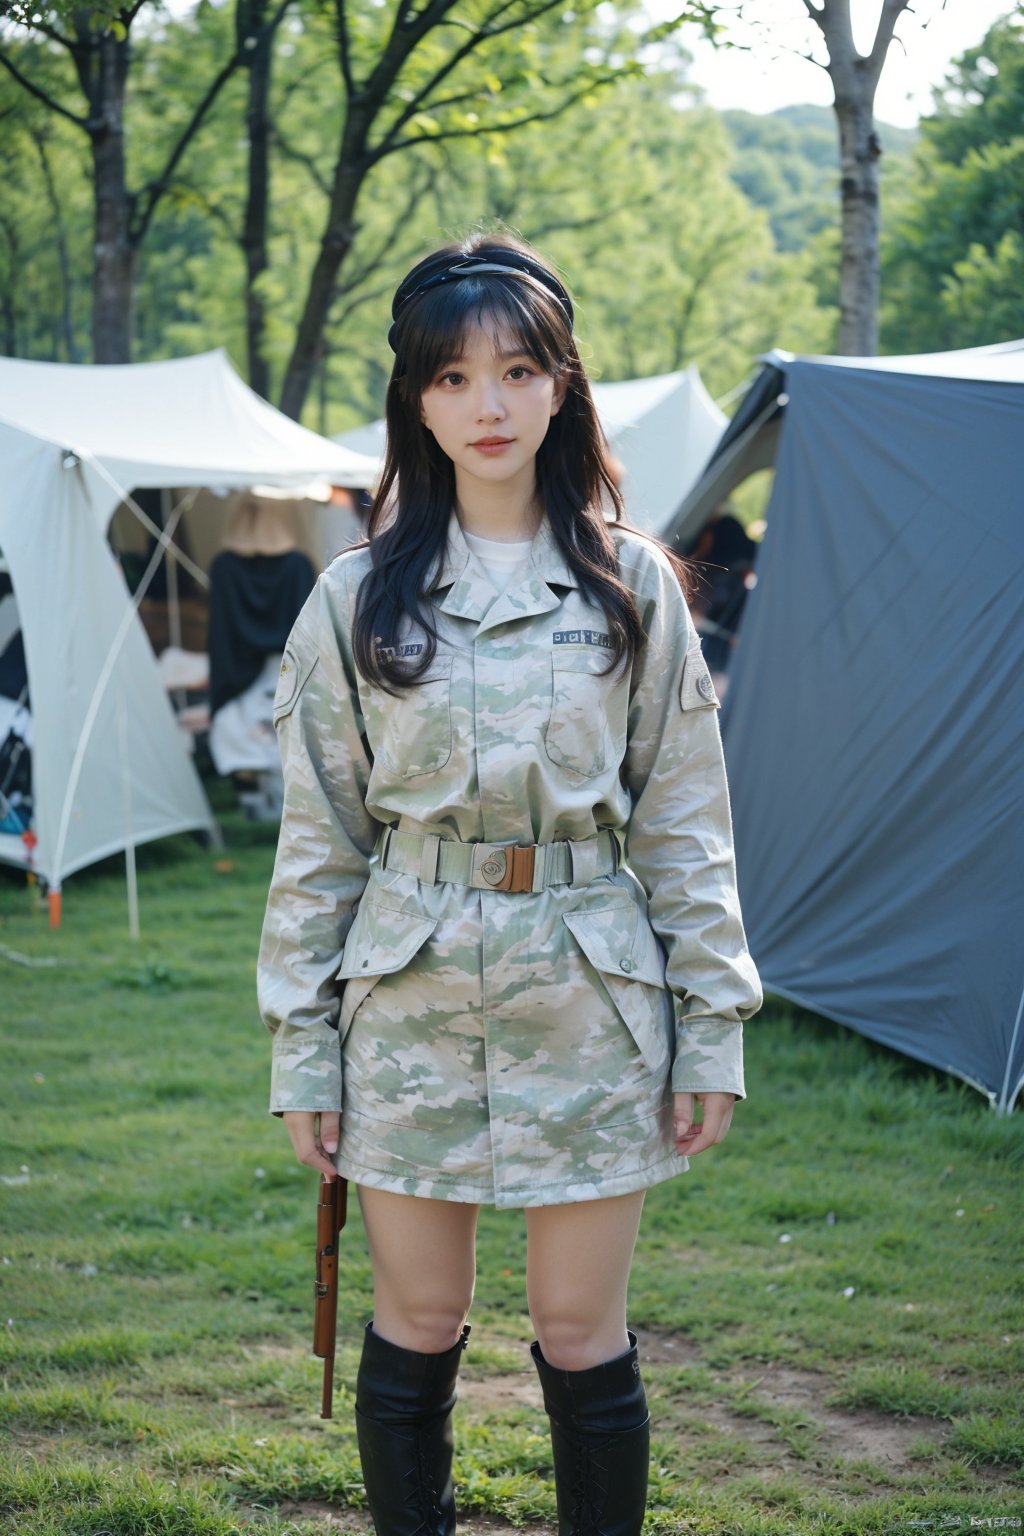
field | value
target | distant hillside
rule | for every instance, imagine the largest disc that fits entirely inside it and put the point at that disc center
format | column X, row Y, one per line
column 787, row 161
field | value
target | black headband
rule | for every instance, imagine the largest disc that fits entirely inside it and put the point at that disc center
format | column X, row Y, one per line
column 512, row 262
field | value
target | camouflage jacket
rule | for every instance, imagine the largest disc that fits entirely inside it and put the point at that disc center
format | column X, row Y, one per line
column 516, row 735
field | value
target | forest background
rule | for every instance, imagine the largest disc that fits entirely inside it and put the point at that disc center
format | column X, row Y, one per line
column 689, row 235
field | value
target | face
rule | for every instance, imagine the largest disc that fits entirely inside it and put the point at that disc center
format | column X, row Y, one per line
column 489, row 410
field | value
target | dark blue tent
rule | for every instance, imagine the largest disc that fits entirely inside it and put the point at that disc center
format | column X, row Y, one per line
column 874, row 724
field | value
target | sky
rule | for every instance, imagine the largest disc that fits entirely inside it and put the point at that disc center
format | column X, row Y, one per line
column 768, row 76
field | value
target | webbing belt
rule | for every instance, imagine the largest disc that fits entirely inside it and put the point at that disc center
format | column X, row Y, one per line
column 499, row 866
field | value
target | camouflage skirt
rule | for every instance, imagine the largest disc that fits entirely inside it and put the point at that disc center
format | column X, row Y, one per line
column 505, row 1049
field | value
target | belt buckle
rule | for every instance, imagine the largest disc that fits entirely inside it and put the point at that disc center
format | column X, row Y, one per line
column 510, row 868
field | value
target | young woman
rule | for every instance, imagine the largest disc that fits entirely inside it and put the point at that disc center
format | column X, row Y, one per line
column 506, row 834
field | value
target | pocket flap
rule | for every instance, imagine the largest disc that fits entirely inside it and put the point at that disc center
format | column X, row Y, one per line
column 618, row 941
column 383, row 940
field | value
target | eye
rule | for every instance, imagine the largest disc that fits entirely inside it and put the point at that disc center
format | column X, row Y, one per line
column 451, row 379
column 520, row 371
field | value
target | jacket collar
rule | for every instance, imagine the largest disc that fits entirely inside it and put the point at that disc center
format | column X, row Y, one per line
column 470, row 595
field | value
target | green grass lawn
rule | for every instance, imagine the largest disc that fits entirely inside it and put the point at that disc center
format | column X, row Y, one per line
column 830, row 1304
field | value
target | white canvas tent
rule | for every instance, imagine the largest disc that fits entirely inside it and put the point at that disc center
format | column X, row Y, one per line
column 110, row 767
column 663, row 430
column 874, row 724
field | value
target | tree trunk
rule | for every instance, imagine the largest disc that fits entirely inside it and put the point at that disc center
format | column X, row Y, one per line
column 113, row 250
column 8, row 316
column 66, row 327
column 859, row 152
column 250, row 21
column 335, row 246
column 854, row 83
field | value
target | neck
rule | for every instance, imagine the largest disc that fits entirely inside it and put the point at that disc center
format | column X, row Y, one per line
column 506, row 512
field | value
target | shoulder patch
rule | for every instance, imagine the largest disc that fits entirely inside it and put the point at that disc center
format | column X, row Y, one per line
column 697, row 691
column 297, row 664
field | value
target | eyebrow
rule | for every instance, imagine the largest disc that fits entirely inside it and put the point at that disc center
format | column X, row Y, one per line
column 503, row 357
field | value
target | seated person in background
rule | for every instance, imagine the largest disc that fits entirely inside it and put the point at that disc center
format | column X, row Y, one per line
column 258, row 582
column 725, row 553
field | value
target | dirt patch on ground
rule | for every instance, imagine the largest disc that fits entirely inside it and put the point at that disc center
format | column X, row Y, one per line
column 333, row 1519
column 853, row 1435
column 516, row 1389
column 330, row 1516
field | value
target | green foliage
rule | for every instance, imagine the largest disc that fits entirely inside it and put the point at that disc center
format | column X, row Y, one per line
column 625, row 172
column 953, row 259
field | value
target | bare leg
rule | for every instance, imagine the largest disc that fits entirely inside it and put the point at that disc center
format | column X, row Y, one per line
column 423, row 1254
column 577, row 1274
column 424, row 1267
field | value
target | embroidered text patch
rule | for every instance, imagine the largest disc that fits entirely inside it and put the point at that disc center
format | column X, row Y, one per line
column 582, row 637
column 390, row 652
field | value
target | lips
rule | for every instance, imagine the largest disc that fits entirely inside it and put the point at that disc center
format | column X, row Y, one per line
column 492, row 447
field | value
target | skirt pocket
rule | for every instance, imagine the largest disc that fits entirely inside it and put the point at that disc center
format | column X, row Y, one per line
column 381, row 941
column 622, row 947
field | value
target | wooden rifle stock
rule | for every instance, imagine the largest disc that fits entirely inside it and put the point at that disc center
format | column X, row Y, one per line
column 331, row 1209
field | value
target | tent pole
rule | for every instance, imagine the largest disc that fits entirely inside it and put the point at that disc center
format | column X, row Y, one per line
column 129, row 846
column 101, row 685
column 1006, row 1092
column 173, row 599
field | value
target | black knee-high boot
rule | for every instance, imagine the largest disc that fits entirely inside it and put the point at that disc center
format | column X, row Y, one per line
column 404, row 1403
column 600, row 1438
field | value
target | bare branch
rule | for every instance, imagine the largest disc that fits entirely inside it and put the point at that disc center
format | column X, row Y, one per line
column 154, row 190
column 51, row 32
column 308, row 163
column 344, row 47
column 41, row 95
column 372, row 261
column 338, row 317
column 209, row 207
column 486, row 129
column 296, row 83
column 558, row 226
column 487, row 30
column 892, row 10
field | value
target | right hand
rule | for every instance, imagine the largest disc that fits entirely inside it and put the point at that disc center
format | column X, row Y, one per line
column 314, row 1136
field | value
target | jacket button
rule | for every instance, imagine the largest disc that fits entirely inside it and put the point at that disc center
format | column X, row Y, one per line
column 625, row 965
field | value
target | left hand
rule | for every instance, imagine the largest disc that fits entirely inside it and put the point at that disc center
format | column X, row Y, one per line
column 695, row 1136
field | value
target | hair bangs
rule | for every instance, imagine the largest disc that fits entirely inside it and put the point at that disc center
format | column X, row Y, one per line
column 437, row 329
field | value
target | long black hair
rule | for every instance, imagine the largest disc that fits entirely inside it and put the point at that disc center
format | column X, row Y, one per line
column 408, row 528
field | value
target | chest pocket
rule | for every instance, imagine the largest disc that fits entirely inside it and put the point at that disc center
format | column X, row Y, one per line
column 411, row 732
column 586, row 730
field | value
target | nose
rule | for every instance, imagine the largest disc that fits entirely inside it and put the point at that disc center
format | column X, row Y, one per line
column 490, row 406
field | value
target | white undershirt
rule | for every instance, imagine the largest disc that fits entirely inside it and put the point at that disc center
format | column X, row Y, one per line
column 502, row 560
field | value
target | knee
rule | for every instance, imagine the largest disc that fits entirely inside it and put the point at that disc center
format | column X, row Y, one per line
column 571, row 1342
column 427, row 1329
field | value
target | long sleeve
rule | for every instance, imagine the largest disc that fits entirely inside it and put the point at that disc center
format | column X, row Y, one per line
column 680, row 843
column 322, row 862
